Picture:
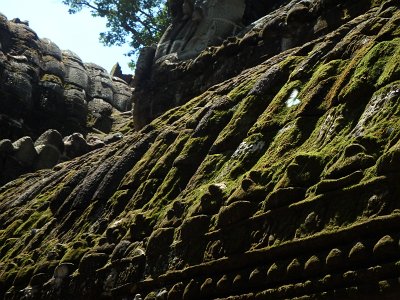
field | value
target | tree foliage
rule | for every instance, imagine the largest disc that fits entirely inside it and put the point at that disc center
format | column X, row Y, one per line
column 138, row 22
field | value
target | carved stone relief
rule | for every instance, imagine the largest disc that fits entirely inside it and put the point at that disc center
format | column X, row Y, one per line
column 198, row 24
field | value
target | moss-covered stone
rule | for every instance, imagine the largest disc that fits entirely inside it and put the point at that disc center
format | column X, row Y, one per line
column 274, row 183
column 52, row 78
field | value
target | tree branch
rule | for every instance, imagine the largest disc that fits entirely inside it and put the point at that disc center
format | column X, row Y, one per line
column 85, row 3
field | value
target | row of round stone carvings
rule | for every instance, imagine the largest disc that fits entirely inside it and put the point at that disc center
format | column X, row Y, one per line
column 362, row 254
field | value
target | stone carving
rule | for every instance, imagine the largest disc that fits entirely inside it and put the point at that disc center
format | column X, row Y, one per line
column 198, row 24
column 24, row 155
column 39, row 81
column 143, row 65
column 116, row 72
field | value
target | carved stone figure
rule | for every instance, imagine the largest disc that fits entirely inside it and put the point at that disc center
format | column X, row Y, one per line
column 175, row 9
column 198, row 24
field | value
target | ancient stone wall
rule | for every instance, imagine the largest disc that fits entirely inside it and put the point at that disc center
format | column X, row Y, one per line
column 200, row 24
column 169, row 81
column 43, row 87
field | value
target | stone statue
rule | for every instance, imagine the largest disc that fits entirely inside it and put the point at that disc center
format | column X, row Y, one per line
column 198, row 24
column 175, row 9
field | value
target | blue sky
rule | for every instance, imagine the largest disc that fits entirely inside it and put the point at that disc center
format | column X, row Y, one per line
column 78, row 32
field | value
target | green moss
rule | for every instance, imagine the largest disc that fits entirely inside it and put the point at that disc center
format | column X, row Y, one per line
column 290, row 63
column 45, row 266
column 244, row 117
column 157, row 150
column 346, row 165
column 285, row 141
column 48, row 194
column 13, row 187
column 117, row 195
column 303, row 171
column 75, row 252
column 396, row 32
column 391, row 69
column 119, row 200
column 377, row 66
column 90, row 120
column 183, row 168
column 277, row 113
column 167, row 191
column 127, row 127
column 69, row 86
column 314, row 92
column 52, row 78
column 181, row 114
column 241, row 91
column 36, row 219
column 329, row 185
column 389, row 161
column 324, row 71
column 145, row 193
column 209, row 169
column 246, row 154
column 7, row 245
column 163, row 165
column 191, row 150
column 141, row 169
column 10, row 230
column 343, row 78
column 381, row 118
column 151, row 296
column 157, row 175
